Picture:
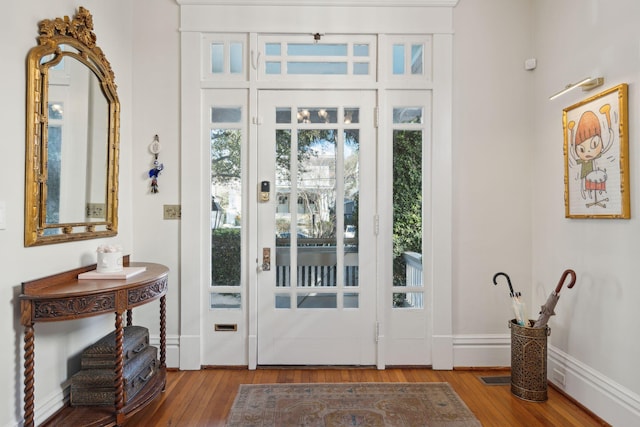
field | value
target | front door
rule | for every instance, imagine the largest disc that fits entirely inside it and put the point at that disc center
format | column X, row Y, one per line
column 316, row 240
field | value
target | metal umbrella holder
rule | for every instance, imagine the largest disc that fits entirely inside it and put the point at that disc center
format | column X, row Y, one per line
column 529, row 347
column 529, row 361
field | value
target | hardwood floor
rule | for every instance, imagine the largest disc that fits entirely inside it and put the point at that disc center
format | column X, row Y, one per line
column 204, row 398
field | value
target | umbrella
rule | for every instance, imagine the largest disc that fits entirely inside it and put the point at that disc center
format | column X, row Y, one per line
column 546, row 310
column 518, row 306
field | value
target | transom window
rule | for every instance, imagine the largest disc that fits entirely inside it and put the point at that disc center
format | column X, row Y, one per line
column 329, row 56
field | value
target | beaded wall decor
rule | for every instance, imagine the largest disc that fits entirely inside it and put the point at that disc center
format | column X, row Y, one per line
column 154, row 172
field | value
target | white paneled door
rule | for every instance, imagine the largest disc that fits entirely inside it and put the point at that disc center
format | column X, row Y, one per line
column 317, row 282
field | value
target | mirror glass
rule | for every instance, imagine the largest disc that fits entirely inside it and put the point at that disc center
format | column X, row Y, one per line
column 73, row 143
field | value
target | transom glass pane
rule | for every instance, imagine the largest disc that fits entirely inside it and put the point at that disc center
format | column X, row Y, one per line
column 235, row 58
column 316, row 67
column 360, row 68
column 217, row 58
column 316, row 49
column 272, row 49
column 416, row 58
column 360, row 50
column 398, row 59
column 272, row 67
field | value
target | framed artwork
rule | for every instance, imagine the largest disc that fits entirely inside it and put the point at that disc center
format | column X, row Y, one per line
column 596, row 156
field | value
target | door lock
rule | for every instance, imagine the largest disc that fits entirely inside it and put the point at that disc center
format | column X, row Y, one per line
column 266, row 259
column 264, row 191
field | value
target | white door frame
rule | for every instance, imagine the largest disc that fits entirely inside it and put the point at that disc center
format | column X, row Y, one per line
column 197, row 16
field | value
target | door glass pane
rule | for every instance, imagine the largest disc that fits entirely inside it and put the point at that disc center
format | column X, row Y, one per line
column 226, row 114
column 407, row 115
column 226, row 206
column 351, row 150
column 317, row 115
column 283, row 212
column 317, row 300
column 407, row 217
column 283, row 115
column 225, row 300
column 316, row 206
column 316, row 196
column 351, row 116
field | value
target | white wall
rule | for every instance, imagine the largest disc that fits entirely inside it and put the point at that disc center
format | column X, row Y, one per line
column 156, row 109
column 592, row 334
column 55, row 343
column 492, row 129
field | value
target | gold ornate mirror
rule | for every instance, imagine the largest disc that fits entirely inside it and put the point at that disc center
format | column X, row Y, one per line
column 73, row 113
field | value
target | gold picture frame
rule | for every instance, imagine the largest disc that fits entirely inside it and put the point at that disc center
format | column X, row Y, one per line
column 596, row 156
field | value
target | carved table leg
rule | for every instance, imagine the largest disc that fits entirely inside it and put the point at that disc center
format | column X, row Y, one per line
column 29, row 355
column 119, row 369
column 129, row 317
column 163, row 331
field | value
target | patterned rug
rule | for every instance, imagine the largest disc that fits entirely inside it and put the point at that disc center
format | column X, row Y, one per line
column 350, row 404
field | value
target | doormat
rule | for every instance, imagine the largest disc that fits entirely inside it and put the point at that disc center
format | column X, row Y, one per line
column 350, row 404
column 496, row 380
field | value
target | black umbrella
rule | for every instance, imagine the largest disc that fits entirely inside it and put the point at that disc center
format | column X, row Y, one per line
column 546, row 310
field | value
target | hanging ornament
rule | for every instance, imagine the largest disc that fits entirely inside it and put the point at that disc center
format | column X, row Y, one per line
column 154, row 148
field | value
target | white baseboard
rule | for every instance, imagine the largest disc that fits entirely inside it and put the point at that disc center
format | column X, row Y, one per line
column 173, row 349
column 442, row 352
column 607, row 399
column 482, row 350
column 190, row 352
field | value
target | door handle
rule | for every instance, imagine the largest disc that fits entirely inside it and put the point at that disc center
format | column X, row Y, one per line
column 266, row 259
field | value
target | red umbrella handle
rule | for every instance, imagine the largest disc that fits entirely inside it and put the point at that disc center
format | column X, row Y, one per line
column 562, row 279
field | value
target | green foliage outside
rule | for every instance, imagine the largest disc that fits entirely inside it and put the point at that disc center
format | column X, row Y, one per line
column 225, row 257
column 407, row 199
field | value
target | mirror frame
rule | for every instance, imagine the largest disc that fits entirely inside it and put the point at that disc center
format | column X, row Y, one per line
column 77, row 33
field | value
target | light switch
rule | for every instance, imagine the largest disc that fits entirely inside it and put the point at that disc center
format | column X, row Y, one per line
column 3, row 215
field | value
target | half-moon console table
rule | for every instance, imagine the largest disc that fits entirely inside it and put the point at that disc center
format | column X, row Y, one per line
column 63, row 297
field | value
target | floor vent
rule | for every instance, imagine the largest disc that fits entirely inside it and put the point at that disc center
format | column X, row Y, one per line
column 504, row 380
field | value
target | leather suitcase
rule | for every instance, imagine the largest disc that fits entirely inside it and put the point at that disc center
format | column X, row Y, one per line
column 96, row 387
column 102, row 354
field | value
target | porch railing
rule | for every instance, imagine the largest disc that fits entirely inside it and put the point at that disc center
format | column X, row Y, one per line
column 413, row 262
column 316, row 266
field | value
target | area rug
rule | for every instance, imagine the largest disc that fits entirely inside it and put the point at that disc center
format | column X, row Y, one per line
column 349, row 404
